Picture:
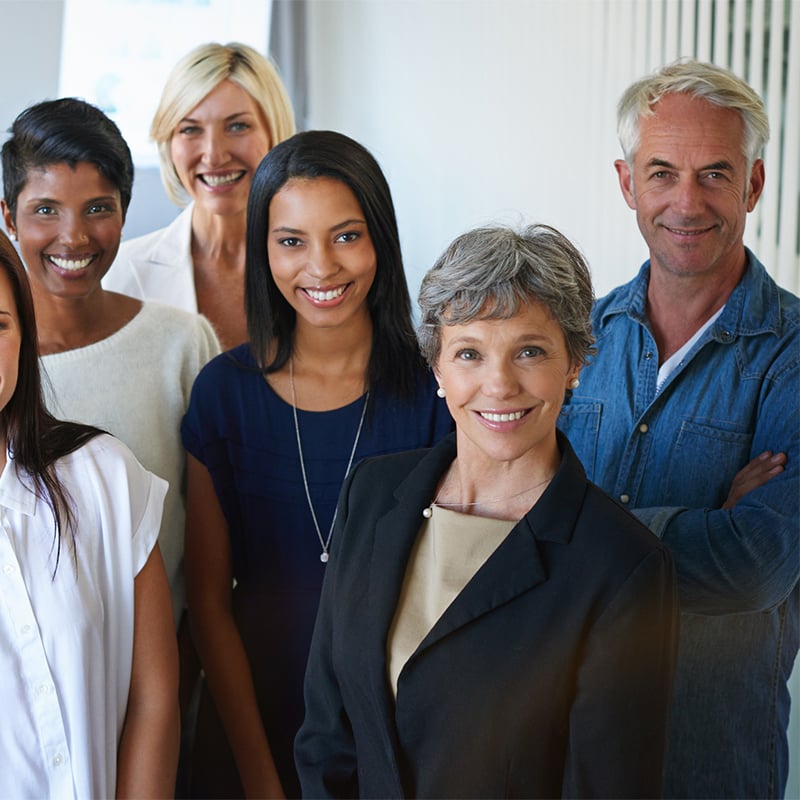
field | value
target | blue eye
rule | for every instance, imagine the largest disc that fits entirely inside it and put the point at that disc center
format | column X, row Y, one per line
column 239, row 127
column 531, row 352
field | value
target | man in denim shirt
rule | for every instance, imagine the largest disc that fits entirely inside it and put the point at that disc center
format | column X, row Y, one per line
column 688, row 415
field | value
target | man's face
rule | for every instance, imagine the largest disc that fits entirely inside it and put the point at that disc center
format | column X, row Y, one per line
column 690, row 187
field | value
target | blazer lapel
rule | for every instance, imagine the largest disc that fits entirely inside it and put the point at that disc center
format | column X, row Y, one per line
column 516, row 566
column 395, row 534
column 165, row 268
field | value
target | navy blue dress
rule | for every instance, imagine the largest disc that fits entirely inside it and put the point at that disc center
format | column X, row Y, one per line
column 245, row 436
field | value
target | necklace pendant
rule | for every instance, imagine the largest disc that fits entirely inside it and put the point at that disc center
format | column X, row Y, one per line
column 323, row 557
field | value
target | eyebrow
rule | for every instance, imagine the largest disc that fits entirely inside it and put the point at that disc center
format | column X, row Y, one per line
column 225, row 119
column 719, row 166
column 339, row 226
column 53, row 202
column 523, row 339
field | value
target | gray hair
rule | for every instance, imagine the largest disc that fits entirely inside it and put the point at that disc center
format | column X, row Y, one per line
column 702, row 80
column 494, row 272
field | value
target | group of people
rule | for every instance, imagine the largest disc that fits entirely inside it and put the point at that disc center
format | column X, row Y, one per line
column 544, row 545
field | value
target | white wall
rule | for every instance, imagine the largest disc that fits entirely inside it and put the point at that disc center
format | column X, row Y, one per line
column 478, row 112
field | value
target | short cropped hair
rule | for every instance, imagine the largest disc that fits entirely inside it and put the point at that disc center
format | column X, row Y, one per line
column 197, row 74
column 494, row 272
column 69, row 131
column 699, row 79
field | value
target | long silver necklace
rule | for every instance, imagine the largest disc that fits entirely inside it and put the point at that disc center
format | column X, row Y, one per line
column 324, row 543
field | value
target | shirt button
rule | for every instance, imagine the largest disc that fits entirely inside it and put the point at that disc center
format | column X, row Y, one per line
column 643, row 428
column 8, row 568
column 25, row 630
column 625, row 498
column 43, row 689
column 58, row 760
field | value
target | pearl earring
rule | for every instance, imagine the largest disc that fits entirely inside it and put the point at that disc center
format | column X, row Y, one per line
column 440, row 392
column 13, row 237
column 574, row 383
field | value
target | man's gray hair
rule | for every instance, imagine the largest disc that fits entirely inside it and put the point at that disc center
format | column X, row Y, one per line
column 495, row 272
column 699, row 79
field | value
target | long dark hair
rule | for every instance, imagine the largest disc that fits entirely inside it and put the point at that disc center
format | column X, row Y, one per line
column 36, row 439
column 394, row 361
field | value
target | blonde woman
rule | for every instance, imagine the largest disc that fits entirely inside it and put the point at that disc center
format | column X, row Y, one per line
column 222, row 109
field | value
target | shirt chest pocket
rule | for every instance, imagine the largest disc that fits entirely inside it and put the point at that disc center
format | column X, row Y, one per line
column 705, row 456
column 580, row 423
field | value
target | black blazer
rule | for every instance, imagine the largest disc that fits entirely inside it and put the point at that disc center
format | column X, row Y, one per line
column 549, row 675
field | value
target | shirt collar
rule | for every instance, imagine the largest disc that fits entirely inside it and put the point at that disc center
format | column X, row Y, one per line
column 753, row 306
column 14, row 493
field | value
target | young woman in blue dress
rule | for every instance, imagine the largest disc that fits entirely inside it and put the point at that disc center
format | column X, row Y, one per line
column 331, row 374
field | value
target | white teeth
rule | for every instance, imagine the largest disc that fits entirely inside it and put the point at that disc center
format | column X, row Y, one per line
column 72, row 264
column 512, row 417
column 314, row 294
column 222, row 180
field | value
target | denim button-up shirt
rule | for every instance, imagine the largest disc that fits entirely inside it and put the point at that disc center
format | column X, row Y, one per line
column 670, row 456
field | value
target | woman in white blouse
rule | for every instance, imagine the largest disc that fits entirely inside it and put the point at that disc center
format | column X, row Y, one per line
column 222, row 109
column 88, row 660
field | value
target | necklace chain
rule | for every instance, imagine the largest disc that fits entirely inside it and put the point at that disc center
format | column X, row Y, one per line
column 324, row 543
column 427, row 512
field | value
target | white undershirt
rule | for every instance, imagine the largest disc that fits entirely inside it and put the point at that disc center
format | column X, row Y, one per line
column 674, row 361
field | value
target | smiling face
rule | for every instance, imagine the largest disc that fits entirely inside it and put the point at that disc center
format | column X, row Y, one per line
column 69, row 225
column 10, row 341
column 216, row 148
column 320, row 252
column 690, row 187
column 504, row 382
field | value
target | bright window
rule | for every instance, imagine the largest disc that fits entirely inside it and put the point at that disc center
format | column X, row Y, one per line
column 118, row 53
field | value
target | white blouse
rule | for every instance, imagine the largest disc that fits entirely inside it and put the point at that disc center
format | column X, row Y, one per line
column 66, row 633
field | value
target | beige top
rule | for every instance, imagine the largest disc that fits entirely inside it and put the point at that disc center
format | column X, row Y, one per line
column 450, row 548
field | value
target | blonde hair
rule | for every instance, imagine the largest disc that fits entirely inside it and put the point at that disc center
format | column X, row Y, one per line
column 197, row 74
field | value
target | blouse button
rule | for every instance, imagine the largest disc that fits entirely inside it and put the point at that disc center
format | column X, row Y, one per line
column 8, row 568
column 25, row 630
column 58, row 760
column 643, row 428
column 625, row 498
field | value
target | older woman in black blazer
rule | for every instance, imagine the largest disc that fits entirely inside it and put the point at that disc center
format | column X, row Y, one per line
column 492, row 624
